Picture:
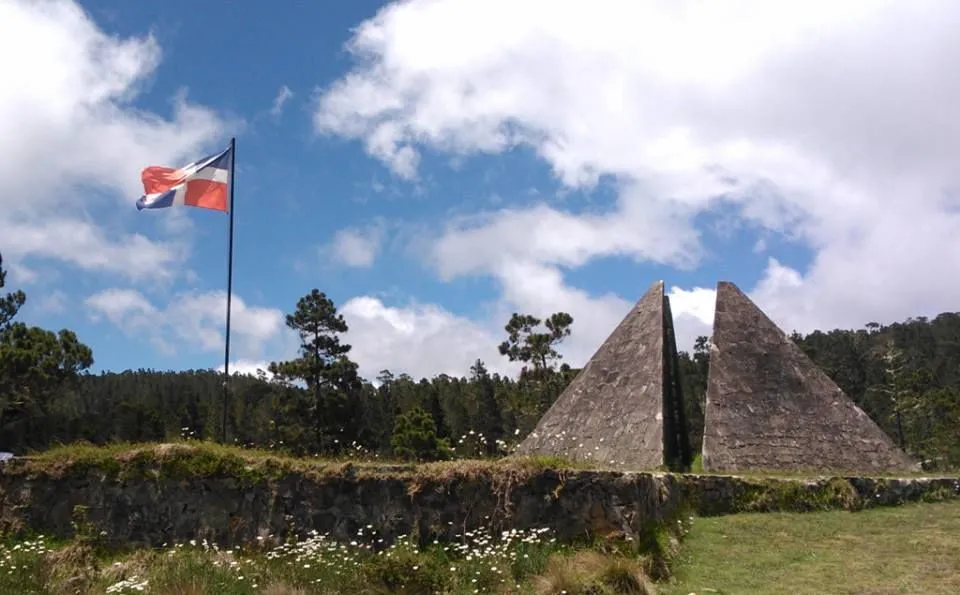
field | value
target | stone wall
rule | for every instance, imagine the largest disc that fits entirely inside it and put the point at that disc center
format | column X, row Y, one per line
column 149, row 505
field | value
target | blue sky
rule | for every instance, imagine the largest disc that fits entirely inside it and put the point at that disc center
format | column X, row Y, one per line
column 435, row 166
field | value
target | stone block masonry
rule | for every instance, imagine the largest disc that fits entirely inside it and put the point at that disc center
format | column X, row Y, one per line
column 770, row 408
column 624, row 409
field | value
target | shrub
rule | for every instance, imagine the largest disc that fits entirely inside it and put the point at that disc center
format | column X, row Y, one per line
column 415, row 438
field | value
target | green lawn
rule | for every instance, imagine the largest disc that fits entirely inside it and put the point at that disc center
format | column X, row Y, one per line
column 908, row 549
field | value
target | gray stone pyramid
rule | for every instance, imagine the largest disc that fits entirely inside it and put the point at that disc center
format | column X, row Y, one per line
column 624, row 409
column 769, row 407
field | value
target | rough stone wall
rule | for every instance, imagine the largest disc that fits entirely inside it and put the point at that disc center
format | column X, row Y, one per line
column 227, row 511
column 769, row 407
column 612, row 412
column 148, row 510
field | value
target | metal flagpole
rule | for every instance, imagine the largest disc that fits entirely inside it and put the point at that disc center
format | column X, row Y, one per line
column 226, row 350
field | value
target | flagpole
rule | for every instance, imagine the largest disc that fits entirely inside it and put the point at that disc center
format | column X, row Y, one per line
column 226, row 349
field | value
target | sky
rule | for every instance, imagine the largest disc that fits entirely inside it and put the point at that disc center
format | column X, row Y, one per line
column 434, row 166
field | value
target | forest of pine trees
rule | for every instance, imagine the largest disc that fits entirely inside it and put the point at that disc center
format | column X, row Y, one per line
column 906, row 376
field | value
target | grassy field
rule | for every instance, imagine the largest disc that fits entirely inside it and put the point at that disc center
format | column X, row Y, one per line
column 909, row 549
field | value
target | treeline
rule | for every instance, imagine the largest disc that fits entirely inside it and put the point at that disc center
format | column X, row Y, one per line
column 906, row 376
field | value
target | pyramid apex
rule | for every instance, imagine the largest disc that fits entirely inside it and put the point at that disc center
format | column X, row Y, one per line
column 727, row 285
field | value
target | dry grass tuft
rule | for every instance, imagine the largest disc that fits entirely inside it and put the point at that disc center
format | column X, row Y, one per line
column 185, row 589
column 136, row 564
column 283, row 589
column 73, row 568
column 590, row 573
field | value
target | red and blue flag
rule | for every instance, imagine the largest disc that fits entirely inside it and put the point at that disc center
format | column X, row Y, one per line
column 203, row 183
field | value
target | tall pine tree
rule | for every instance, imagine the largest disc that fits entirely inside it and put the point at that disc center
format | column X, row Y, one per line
column 326, row 370
column 489, row 421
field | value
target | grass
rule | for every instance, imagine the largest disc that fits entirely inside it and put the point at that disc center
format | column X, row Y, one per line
column 913, row 548
column 211, row 457
column 195, row 458
column 510, row 563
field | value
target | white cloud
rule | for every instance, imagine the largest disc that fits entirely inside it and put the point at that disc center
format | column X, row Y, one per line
column 692, row 314
column 54, row 302
column 70, row 136
column 247, row 368
column 355, row 247
column 19, row 274
column 420, row 339
column 132, row 312
column 85, row 245
column 191, row 320
column 121, row 306
column 834, row 124
column 536, row 289
column 548, row 236
column 284, row 94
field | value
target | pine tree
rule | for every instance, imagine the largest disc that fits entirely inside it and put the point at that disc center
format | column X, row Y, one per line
column 35, row 365
column 324, row 367
column 415, row 438
column 490, row 422
column 11, row 303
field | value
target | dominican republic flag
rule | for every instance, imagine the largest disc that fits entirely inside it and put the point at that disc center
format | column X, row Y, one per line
column 203, row 183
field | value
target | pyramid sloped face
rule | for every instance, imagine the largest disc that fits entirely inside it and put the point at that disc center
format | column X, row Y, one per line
column 612, row 412
column 769, row 407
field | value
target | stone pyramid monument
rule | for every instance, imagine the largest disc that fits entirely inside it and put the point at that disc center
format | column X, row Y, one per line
column 624, row 409
column 769, row 407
